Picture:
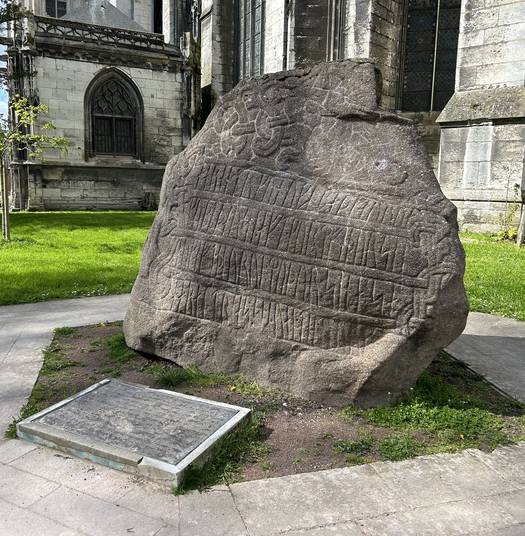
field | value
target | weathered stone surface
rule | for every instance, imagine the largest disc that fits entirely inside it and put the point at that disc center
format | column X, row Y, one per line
column 303, row 240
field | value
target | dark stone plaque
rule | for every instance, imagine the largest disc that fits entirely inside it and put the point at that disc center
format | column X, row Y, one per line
column 302, row 238
column 126, row 424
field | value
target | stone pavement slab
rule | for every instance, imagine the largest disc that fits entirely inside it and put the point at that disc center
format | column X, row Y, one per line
column 381, row 499
column 20, row 522
column 494, row 347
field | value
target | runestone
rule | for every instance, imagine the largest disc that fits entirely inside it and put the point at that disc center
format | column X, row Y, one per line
column 303, row 240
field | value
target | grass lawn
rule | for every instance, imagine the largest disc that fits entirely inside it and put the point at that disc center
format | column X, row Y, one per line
column 449, row 409
column 495, row 275
column 69, row 254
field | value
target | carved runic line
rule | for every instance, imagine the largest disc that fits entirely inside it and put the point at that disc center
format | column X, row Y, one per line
column 253, row 248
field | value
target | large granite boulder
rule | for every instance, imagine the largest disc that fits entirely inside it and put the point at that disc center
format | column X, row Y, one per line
column 303, row 240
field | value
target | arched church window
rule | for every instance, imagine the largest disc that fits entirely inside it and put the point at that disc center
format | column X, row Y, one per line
column 113, row 116
column 56, row 8
column 430, row 51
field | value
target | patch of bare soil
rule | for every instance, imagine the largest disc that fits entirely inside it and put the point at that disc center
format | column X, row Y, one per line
column 295, row 435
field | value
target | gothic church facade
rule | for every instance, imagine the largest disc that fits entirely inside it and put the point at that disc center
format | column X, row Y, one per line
column 128, row 81
column 456, row 67
column 118, row 84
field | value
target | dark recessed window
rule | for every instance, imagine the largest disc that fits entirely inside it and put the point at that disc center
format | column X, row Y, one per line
column 114, row 116
column 56, row 8
column 431, row 43
column 157, row 16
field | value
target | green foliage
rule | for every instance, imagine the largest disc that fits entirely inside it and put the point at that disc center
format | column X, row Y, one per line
column 244, row 387
column 193, row 375
column 56, row 255
column 223, row 467
column 359, row 447
column 54, row 361
column 27, row 132
column 494, row 276
column 507, row 234
column 64, row 332
column 399, row 447
column 118, row 350
column 435, row 405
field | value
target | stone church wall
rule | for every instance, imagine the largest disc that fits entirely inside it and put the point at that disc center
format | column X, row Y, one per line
column 70, row 181
column 482, row 150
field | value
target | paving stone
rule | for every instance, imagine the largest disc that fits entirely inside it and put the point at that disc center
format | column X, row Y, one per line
column 21, row 522
column 21, row 488
column 507, row 461
column 210, row 513
column 80, row 475
column 344, row 529
column 94, row 516
column 168, row 531
column 313, row 499
column 494, row 347
column 514, row 530
column 514, row 504
column 428, row 480
column 13, row 449
column 449, row 519
column 157, row 503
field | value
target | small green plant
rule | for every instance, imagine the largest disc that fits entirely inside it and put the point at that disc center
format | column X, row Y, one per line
column 360, row 447
column 173, row 377
column 508, row 230
column 223, row 467
column 54, row 361
column 266, row 467
column 242, row 386
column 64, row 332
column 118, row 351
column 399, row 447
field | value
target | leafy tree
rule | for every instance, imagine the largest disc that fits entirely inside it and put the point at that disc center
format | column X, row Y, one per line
column 21, row 139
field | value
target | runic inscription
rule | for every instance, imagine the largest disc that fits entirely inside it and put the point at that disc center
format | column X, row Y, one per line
column 254, row 249
column 301, row 229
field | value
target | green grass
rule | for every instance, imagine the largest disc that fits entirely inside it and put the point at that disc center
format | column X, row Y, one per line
column 172, row 377
column 461, row 417
column 223, row 467
column 117, row 349
column 399, row 447
column 494, row 275
column 358, row 447
column 69, row 254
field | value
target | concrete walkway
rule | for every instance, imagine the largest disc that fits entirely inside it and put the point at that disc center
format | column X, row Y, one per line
column 494, row 347
column 47, row 493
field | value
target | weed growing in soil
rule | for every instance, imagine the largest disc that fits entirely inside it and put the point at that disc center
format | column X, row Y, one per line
column 399, row 447
column 118, row 351
column 54, row 361
column 64, row 332
column 461, row 417
column 243, row 445
column 173, row 377
column 359, row 447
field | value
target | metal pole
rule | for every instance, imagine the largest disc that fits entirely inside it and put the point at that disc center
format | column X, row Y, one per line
column 435, row 57
column 6, row 234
